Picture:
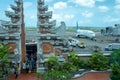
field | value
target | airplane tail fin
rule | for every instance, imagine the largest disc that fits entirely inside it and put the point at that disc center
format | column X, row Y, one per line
column 77, row 27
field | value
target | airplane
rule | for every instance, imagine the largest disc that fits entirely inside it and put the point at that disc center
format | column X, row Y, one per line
column 84, row 33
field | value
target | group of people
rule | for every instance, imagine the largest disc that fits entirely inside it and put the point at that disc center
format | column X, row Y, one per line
column 29, row 63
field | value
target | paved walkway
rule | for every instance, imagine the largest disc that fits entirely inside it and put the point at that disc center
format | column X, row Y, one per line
column 87, row 76
column 95, row 76
column 24, row 76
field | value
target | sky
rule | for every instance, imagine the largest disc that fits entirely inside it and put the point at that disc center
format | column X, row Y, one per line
column 96, row 13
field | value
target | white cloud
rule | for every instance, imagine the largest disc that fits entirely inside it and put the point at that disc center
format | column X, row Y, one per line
column 103, row 8
column 60, row 5
column 117, row 9
column 61, row 17
column 85, row 3
column 111, row 19
column 48, row 0
column 57, row 17
column 51, row 9
column 87, row 14
column 69, row 16
column 100, row 0
column 27, row 4
column 117, row 1
column 86, row 21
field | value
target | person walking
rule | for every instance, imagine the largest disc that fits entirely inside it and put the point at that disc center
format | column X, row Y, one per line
column 27, row 67
column 16, row 72
column 24, row 65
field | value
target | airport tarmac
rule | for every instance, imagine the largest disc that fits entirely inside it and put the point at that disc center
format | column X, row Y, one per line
column 100, row 41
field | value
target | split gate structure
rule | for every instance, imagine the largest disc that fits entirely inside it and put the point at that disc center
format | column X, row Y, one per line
column 12, row 33
column 50, row 41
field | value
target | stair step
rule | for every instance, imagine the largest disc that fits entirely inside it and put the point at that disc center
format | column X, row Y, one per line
column 24, row 71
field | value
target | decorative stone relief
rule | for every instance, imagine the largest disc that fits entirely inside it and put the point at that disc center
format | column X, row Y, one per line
column 61, row 29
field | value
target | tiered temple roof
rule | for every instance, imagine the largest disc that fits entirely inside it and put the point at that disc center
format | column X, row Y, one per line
column 15, row 16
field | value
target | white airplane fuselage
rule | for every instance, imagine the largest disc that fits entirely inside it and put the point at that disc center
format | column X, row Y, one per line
column 85, row 33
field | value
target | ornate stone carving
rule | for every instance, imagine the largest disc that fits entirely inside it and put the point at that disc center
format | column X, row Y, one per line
column 47, row 47
column 61, row 29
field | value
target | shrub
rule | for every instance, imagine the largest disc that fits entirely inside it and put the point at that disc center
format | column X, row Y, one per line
column 68, row 67
column 115, row 74
column 76, row 61
column 98, row 61
column 115, row 57
column 55, row 75
column 52, row 63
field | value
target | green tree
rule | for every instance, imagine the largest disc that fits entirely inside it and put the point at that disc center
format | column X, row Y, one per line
column 98, row 61
column 115, row 57
column 115, row 74
column 4, row 61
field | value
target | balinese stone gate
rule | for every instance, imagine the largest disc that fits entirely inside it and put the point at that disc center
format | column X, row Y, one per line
column 12, row 33
column 49, row 41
